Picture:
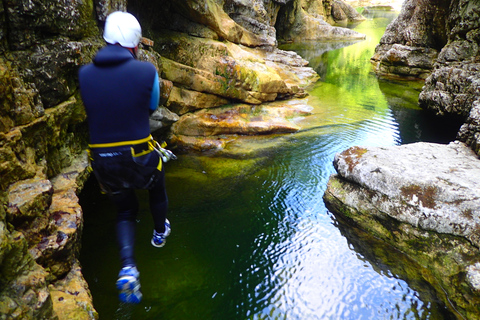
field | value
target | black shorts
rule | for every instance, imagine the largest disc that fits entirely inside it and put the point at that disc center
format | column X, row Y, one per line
column 119, row 169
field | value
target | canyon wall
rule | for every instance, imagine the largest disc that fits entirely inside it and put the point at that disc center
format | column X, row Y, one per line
column 439, row 42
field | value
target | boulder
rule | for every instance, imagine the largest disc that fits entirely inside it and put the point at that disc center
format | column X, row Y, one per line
column 215, row 128
column 424, row 200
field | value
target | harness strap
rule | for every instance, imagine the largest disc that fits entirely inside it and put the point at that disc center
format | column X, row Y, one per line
column 120, row 143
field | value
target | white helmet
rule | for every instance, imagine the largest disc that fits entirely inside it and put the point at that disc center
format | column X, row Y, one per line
column 123, row 28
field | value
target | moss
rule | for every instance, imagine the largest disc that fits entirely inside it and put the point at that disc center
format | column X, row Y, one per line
column 352, row 156
column 467, row 213
column 425, row 195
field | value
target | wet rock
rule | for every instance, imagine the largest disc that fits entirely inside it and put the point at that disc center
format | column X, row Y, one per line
column 23, row 285
column 47, row 241
column 427, row 206
column 27, row 202
column 58, row 249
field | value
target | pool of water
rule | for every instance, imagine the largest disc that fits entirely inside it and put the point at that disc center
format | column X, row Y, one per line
column 251, row 237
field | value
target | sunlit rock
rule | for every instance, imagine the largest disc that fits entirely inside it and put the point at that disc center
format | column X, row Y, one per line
column 423, row 199
column 454, row 85
column 412, row 42
column 214, row 128
column 182, row 100
column 230, row 71
column 437, row 41
column 71, row 297
column 309, row 20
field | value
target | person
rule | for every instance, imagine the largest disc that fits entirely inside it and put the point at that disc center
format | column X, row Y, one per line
column 119, row 93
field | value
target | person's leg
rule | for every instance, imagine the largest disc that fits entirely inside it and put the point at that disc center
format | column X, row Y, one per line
column 158, row 207
column 127, row 209
column 128, row 282
column 159, row 203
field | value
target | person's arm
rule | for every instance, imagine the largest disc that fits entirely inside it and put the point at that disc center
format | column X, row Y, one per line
column 155, row 98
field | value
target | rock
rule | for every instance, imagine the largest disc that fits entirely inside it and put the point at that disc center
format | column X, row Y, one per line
column 71, row 297
column 162, row 118
column 470, row 130
column 337, row 12
column 405, row 61
column 58, row 249
column 27, row 202
column 453, row 87
column 214, row 128
column 423, row 199
column 48, row 239
column 418, row 30
column 242, row 22
column 104, row 7
column 388, row 4
column 230, row 71
column 442, row 195
column 183, row 101
column 451, row 90
column 30, row 22
column 165, row 91
column 437, row 41
column 307, row 20
column 23, row 284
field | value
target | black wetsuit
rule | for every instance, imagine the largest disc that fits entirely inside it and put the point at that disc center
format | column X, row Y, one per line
column 119, row 93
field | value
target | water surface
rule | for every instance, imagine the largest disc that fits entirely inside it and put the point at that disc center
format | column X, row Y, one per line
column 251, row 237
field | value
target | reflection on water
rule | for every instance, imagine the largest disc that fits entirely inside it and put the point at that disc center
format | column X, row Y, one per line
column 252, row 239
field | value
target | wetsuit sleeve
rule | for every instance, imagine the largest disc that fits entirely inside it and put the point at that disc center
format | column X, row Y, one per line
column 155, row 98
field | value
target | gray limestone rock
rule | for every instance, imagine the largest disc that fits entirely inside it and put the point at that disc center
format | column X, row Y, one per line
column 431, row 186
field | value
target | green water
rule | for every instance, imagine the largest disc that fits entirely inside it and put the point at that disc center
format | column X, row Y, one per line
column 251, row 237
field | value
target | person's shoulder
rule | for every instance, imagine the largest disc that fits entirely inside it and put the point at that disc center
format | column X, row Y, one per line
column 145, row 66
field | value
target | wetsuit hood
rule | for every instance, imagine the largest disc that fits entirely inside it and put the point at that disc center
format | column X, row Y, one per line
column 112, row 55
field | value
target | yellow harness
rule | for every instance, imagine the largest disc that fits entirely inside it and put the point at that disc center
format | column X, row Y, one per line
column 150, row 145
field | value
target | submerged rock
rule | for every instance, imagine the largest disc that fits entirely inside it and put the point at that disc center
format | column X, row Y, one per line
column 423, row 199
